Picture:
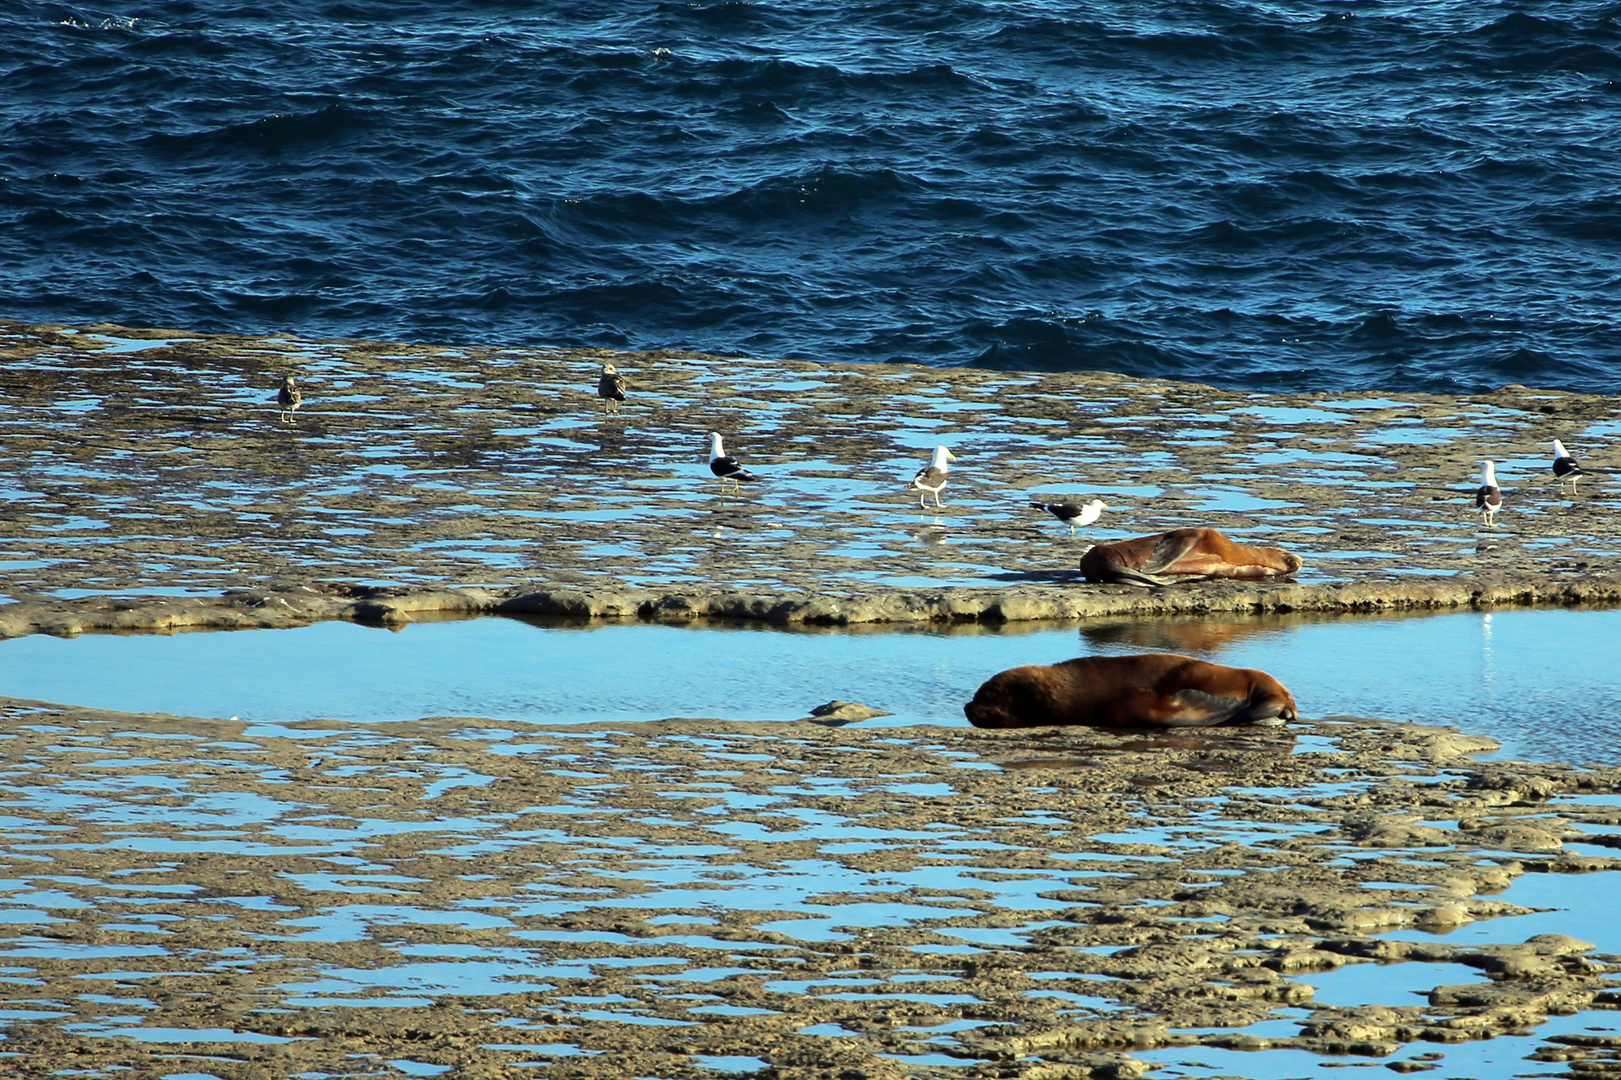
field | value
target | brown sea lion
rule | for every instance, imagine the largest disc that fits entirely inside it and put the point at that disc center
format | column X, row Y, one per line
column 1183, row 555
column 1146, row 690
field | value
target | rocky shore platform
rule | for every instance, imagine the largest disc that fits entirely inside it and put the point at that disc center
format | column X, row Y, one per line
column 712, row 898
column 704, row 897
column 150, row 486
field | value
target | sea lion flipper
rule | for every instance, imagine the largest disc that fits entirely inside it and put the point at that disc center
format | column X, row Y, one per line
column 1199, row 709
column 1172, row 548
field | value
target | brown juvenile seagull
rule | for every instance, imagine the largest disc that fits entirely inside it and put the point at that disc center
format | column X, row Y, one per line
column 611, row 388
column 289, row 398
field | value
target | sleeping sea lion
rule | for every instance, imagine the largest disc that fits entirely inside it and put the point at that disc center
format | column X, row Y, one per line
column 1183, row 555
column 1146, row 690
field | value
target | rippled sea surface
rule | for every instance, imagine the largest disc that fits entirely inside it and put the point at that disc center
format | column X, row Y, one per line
column 1324, row 195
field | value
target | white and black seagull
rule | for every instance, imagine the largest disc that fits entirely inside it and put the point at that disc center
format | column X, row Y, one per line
column 1564, row 466
column 611, row 388
column 1488, row 498
column 724, row 466
column 1073, row 514
column 932, row 477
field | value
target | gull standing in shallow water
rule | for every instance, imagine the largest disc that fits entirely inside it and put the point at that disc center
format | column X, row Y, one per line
column 932, row 477
column 1488, row 497
column 1072, row 514
column 289, row 398
column 724, row 466
column 1564, row 465
column 611, row 388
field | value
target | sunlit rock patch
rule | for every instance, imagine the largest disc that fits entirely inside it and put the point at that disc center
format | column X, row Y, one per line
column 150, row 465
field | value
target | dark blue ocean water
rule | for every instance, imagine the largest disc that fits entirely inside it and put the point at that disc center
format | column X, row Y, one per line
column 1325, row 195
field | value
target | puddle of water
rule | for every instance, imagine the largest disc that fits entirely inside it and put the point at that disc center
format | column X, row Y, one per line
column 1386, row 984
column 174, row 1035
column 154, row 590
column 129, row 345
column 411, row 1068
column 1416, row 434
column 1236, row 501
column 1492, row 673
column 1581, row 906
column 1602, row 430
column 730, row 1063
column 1283, row 415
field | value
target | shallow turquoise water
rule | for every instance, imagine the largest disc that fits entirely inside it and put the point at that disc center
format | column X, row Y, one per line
column 1538, row 681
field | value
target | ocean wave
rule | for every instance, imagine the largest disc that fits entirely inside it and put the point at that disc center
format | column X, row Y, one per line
column 1412, row 198
column 274, row 134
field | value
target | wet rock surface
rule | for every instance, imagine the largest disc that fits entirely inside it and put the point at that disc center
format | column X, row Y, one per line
column 724, row 897
column 149, row 480
column 709, row 897
column 844, row 712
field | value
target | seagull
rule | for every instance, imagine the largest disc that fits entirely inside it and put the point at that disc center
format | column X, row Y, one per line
column 1488, row 498
column 1564, row 465
column 289, row 398
column 1071, row 514
column 932, row 477
column 611, row 388
column 724, row 466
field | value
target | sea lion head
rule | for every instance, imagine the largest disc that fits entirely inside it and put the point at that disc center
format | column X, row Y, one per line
column 1017, row 697
column 1270, row 703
